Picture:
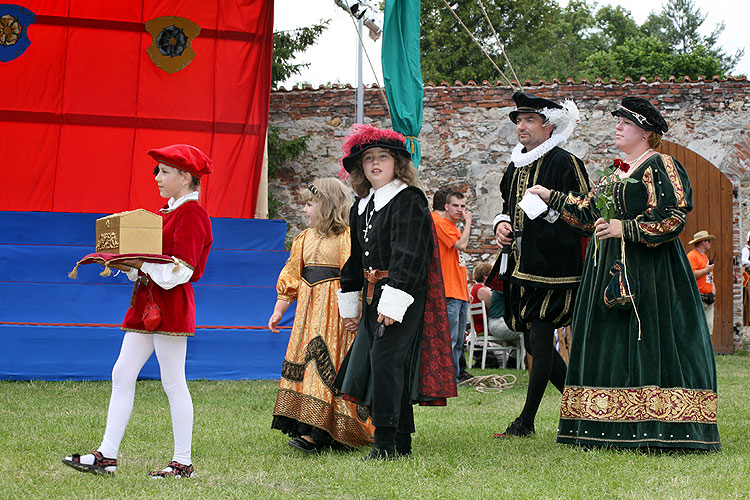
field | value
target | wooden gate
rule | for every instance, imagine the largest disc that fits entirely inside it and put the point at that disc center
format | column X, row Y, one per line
column 712, row 211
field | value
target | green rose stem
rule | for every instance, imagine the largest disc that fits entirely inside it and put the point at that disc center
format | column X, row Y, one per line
column 604, row 194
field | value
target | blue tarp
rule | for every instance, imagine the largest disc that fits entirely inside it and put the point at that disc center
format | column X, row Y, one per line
column 54, row 328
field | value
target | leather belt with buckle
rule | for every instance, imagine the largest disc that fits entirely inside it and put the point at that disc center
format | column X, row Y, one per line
column 373, row 276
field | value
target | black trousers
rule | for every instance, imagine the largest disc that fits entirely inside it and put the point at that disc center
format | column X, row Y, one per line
column 394, row 364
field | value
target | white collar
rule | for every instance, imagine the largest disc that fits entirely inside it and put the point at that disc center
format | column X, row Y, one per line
column 172, row 203
column 383, row 195
column 520, row 159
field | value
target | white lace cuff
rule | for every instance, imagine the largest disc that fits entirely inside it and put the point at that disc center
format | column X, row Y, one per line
column 498, row 219
column 348, row 304
column 552, row 215
column 394, row 303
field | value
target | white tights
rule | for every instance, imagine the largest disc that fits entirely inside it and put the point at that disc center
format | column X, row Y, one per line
column 135, row 351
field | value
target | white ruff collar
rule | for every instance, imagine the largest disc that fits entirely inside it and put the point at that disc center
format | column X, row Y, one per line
column 382, row 195
column 521, row 159
column 172, row 203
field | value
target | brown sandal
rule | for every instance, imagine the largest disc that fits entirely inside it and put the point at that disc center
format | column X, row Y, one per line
column 177, row 470
column 98, row 467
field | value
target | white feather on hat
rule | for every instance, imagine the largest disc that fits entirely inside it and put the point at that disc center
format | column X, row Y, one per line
column 564, row 119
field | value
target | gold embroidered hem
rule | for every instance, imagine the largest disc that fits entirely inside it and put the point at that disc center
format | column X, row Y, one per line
column 171, row 334
column 346, row 422
column 639, row 404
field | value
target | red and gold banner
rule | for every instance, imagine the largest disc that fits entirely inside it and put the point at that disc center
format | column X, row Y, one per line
column 86, row 99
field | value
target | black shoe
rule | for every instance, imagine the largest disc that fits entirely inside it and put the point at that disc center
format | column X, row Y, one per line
column 403, row 444
column 303, row 445
column 380, row 454
column 517, row 428
column 464, row 376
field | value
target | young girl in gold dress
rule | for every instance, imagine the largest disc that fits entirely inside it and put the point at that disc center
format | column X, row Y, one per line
column 308, row 407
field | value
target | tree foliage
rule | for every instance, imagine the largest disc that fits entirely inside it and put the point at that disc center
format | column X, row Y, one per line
column 546, row 41
column 287, row 44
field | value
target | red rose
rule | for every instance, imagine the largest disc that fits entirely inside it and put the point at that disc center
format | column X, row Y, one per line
column 621, row 165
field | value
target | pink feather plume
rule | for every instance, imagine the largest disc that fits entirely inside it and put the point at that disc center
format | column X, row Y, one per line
column 362, row 134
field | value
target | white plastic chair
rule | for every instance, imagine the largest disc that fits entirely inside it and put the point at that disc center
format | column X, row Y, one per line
column 503, row 352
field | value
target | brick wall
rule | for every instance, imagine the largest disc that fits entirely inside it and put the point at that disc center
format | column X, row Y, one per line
column 467, row 137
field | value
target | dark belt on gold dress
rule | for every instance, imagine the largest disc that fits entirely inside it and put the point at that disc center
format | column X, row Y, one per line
column 313, row 275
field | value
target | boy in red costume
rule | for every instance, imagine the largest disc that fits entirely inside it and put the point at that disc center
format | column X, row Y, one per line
column 162, row 312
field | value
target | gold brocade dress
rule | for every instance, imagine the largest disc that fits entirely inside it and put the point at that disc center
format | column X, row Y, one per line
column 307, row 403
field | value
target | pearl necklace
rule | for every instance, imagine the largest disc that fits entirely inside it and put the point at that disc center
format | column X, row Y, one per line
column 633, row 163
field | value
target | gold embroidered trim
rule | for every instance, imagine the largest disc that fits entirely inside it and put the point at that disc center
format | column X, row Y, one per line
column 545, row 303
column 659, row 228
column 637, row 404
column 545, row 279
column 582, row 186
column 573, row 221
column 648, row 181
column 674, row 177
column 521, row 178
column 352, row 429
column 171, row 334
column 566, row 309
column 653, row 440
column 185, row 264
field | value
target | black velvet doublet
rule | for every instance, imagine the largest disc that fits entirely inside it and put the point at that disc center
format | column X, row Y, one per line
column 399, row 241
column 545, row 272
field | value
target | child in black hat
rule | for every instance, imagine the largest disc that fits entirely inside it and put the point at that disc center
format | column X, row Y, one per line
column 386, row 282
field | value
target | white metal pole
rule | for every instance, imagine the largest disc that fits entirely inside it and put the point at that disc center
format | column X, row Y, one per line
column 360, row 86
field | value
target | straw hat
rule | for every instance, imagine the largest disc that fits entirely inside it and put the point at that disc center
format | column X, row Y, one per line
column 701, row 236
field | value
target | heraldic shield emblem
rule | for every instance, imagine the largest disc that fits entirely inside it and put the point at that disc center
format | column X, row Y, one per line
column 172, row 47
column 14, row 23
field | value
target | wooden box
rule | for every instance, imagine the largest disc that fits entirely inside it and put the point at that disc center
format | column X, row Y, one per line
column 136, row 231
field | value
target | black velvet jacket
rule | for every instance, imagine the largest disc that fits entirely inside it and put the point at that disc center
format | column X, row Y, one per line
column 551, row 253
column 398, row 239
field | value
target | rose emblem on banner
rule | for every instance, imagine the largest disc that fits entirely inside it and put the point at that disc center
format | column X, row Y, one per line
column 171, row 41
column 172, row 45
column 14, row 22
column 10, row 30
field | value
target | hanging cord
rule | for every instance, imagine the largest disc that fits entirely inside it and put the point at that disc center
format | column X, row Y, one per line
column 502, row 46
column 380, row 87
column 509, row 82
column 490, row 383
column 630, row 290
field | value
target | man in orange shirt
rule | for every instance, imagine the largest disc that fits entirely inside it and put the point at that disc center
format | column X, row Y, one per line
column 703, row 268
column 453, row 242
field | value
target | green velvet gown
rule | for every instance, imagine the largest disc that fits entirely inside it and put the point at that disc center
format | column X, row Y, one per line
column 641, row 376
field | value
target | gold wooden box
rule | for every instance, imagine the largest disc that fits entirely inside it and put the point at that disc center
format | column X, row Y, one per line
column 136, row 231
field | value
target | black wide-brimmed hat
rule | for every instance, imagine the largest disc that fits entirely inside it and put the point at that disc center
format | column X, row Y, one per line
column 641, row 112
column 529, row 103
column 364, row 137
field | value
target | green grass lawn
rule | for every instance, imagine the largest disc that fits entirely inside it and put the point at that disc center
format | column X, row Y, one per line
column 237, row 455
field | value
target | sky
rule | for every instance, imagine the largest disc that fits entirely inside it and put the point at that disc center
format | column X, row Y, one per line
column 334, row 58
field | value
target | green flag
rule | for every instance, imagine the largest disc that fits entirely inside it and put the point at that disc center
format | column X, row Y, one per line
column 402, row 70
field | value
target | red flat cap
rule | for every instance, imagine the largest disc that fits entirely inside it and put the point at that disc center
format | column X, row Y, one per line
column 184, row 157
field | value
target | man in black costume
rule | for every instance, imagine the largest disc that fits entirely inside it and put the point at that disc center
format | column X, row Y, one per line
column 542, row 258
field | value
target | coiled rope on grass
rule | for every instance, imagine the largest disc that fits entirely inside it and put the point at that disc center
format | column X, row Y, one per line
column 490, row 383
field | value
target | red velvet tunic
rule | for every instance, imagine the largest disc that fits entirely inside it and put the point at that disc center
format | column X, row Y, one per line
column 186, row 234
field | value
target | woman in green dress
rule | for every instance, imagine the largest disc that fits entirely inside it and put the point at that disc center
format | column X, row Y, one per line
column 641, row 372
